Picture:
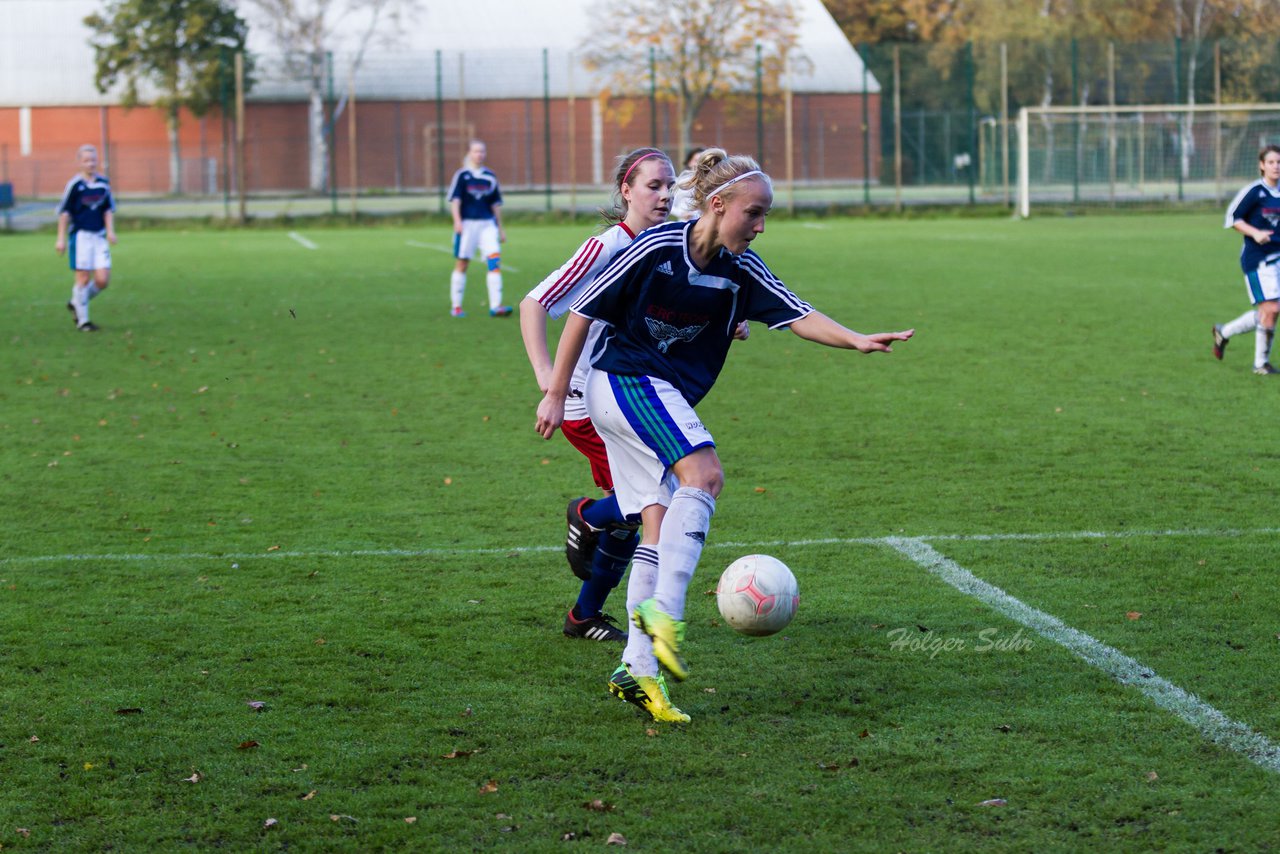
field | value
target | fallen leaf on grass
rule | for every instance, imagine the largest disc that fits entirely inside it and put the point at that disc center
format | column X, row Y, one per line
column 466, row 713
column 1133, row 615
column 616, row 839
column 1152, row 776
column 410, row 819
column 23, row 832
column 458, row 754
column 247, row 745
column 866, row 733
column 271, row 822
column 273, row 548
column 489, row 787
column 194, row 778
column 33, row 739
column 256, row 705
column 320, row 641
column 994, row 802
column 760, row 490
column 1004, row 728
column 308, row 796
column 651, row 732
column 598, row 806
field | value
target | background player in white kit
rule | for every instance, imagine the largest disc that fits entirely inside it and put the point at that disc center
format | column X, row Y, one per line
column 86, row 225
column 476, row 201
column 600, row 541
column 672, row 300
column 1255, row 213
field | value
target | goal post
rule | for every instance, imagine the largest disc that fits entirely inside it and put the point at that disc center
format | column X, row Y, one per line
column 1105, row 155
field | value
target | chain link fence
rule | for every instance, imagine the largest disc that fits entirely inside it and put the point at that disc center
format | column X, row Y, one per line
column 923, row 124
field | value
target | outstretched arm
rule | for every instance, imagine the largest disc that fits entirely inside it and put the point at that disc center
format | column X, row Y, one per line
column 820, row 329
column 551, row 410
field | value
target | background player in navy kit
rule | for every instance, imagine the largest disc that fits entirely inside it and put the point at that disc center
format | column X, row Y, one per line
column 601, row 541
column 476, row 203
column 87, row 214
column 672, row 300
column 1255, row 213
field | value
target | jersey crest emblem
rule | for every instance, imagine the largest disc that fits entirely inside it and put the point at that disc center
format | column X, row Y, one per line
column 665, row 267
column 666, row 334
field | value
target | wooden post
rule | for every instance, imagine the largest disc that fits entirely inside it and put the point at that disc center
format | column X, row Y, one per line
column 1004, row 119
column 790, row 135
column 240, row 189
column 897, row 131
column 351, row 140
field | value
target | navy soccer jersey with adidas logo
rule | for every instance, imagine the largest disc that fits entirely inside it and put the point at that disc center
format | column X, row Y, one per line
column 1258, row 205
column 671, row 320
column 87, row 203
column 478, row 191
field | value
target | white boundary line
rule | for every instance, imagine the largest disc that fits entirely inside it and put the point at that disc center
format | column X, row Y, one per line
column 302, row 241
column 1211, row 723
column 432, row 246
column 435, row 247
column 755, row 544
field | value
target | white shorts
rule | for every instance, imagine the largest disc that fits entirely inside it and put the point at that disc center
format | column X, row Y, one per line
column 1263, row 283
column 647, row 427
column 479, row 234
column 89, row 250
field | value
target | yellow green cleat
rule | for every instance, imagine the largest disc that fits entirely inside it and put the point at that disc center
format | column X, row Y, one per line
column 647, row 692
column 667, row 633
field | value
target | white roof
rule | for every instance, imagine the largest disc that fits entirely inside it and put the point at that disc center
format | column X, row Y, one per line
column 45, row 59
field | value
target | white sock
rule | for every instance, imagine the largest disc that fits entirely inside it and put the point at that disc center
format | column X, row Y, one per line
column 638, row 654
column 457, row 288
column 1262, row 346
column 494, row 280
column 684, row 532
column 1244, row 323
column 80, row 302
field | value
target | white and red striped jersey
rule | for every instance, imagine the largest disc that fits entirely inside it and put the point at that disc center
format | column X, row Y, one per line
column 558, row 291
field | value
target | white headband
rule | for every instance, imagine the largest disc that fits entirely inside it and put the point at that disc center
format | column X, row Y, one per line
column 733, row 181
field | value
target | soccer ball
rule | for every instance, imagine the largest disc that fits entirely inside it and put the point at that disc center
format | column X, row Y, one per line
column 757, row 595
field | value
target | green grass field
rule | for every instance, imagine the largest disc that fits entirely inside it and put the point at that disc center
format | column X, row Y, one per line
column 1033, row 546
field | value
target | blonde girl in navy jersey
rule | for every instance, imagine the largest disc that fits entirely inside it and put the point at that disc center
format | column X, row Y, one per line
column 672, row 301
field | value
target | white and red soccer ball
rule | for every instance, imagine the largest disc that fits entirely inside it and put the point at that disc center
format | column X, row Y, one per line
column 757, row 595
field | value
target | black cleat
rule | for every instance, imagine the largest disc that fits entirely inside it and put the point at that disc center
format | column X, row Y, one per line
column 581, row 541
column 88, row 326
column 601, row 627
column 1266, row 369
column 1219, row 342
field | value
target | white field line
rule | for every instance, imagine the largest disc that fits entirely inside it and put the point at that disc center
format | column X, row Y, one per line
column 448, row 250
column 1210, row 722
column 302, row 241
column 462, row 551
column 432, row 246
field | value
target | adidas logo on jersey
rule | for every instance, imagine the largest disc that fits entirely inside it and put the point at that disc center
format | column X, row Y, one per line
column 665, row 267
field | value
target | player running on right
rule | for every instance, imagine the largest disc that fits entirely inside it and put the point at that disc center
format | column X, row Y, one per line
column 1255, row 213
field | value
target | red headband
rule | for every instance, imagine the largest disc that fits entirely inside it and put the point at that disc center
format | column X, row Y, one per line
column 638, row 159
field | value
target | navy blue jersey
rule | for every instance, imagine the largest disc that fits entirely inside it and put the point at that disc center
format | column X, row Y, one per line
column 87, row 203
column 1259, row 206
column 478, row 191
column 671, row 320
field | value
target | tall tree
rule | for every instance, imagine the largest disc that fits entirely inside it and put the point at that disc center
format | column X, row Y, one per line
column 702, row 48
column 181, row 47
column 305, row 31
